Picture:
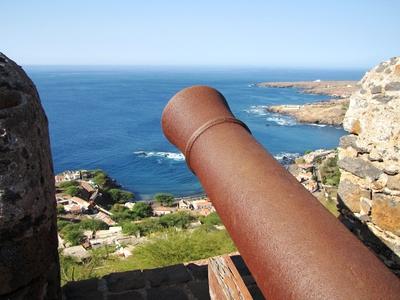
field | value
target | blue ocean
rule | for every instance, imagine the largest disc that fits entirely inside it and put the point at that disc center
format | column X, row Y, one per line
column 109, row 118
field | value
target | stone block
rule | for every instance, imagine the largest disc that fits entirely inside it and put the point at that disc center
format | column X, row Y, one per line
column 393, row 86
column 199, row 289
column 128, row 295
column 393, row 182
column 359, row 167
column 351, row 194
column 168, row 275
column 391, row 169
column 376, row 89
column 173, row 293
column 83, row 289
column 123, row 281
column 199, row 272
column 348, row 141
column 365, row 206
column 385, row 212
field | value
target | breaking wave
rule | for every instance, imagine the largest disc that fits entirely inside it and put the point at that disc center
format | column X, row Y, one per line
column 282, row 120
column 164, row 155
column 260, row 110
column 318, row 125
column 271, row 118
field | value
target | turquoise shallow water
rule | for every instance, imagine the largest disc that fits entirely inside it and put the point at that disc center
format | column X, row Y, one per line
column 109, row 118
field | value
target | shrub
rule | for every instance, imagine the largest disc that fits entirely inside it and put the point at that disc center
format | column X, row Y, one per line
column 142, row 210
column 60, row 209
column 130, row 228
column 148, row 226
column 121, row 213
column 120, row 196
column 100, row 178
column 211, row 219
column 92, row 224
column 72, row 233
column 61, row 224
column 179, row 219
column 73, row 191
column 330, row 172
column 72, row 270
column 67, row 184
column 182, row 246
column 164, row 199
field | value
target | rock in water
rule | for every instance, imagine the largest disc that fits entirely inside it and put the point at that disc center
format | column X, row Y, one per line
column 373, row 119
column 29, row 266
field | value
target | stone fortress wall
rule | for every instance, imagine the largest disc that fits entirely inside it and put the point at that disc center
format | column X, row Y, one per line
column 369, row 159
column 29, row 267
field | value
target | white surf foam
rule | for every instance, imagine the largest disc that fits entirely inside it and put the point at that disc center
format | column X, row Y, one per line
column 260, row 110
column 318, row 125
column 160, row 154
column 282, row 120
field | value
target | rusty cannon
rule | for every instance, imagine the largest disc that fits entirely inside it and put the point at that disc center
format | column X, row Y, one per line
column 293, row 246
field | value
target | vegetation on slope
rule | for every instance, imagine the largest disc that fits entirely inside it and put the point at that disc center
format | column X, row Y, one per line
column 166, row 248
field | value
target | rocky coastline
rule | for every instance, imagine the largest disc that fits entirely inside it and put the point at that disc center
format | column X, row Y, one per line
column 330, row 112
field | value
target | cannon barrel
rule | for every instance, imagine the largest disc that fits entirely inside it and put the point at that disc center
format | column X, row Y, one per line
column 293, row 246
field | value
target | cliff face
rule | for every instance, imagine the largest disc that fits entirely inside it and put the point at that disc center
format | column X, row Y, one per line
column 369, row 158
column 28, row 235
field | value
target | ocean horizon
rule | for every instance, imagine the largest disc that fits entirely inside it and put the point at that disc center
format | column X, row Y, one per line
column 108, row 117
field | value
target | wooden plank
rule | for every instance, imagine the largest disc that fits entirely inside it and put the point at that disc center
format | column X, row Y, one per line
column 225, row 282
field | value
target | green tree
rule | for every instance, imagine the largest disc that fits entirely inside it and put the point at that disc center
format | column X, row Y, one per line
column 179, row 219
column 121, row 213
column 130, row 228
column 211, row 219
column 73, row 191
column 100, row 178
column 148, row 226
column 142, row 210
column 164, row 199
column 120, row 196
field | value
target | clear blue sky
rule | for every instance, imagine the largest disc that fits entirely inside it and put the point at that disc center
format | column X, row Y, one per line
column 357, row 33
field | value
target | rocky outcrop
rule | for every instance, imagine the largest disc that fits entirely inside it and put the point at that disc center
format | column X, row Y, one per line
column 29, row 266
column 329, row 112
column 336, row 88
column 369, row 158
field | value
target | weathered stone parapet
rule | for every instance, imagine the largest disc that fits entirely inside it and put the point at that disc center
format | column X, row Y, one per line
column 28, row 235
column 369, row 159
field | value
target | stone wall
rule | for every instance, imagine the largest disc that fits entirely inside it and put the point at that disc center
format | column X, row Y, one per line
column 369, row 159
column 29, row 266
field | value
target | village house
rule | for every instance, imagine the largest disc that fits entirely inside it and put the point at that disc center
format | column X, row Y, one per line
column 105, row 218
column 68, row 176
column 162, row 210
column 184, row 204
column 74, row 205
column 87, row 186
